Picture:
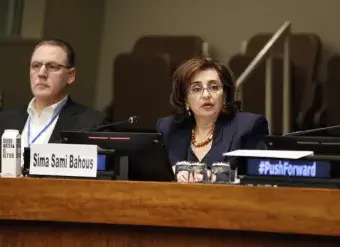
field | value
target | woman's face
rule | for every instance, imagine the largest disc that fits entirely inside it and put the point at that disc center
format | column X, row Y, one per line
column 205, row 95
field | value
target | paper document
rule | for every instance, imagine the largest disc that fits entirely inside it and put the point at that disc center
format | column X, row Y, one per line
column 281, row 154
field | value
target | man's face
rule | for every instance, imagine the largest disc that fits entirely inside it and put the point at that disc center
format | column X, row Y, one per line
column 49, row 74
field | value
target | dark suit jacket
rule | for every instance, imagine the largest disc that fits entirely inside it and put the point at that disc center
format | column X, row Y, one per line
column 73, row 116
column 244, row 131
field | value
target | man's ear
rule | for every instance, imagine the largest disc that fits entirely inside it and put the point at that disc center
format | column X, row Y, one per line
column 71, row 75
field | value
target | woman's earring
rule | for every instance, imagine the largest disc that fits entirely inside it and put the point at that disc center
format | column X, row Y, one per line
column 225, row 106
column 188, row 110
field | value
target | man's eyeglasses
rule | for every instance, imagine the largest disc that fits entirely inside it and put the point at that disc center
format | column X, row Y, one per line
column 50, row 67
column 199, row 89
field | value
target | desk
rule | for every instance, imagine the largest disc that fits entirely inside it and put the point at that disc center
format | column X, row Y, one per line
column 62, row 212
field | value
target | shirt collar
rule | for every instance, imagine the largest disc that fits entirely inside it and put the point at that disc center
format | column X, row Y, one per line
column 52, row 109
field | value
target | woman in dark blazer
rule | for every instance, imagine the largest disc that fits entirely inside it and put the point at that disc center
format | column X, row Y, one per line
column 206, row 124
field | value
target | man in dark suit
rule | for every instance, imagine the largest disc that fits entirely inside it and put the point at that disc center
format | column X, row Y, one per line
column 52, row 70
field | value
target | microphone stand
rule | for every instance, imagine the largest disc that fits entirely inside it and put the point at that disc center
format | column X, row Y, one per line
column 130, row 121
column 303, row 132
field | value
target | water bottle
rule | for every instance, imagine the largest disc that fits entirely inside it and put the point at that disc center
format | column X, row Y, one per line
column 11, row 153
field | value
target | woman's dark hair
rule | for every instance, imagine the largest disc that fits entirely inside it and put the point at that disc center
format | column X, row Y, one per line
column 183, row 75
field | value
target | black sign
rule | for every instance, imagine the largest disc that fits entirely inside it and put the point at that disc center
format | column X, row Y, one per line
column 289, row 168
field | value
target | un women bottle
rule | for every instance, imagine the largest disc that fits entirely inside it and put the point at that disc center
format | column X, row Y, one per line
column 11, row 153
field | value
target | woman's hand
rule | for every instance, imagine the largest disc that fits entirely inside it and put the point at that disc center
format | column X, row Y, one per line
column 182, row 176
column 185, row 177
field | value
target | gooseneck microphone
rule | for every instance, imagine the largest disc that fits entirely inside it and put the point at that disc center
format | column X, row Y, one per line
column 130, row 120
column 303, row 132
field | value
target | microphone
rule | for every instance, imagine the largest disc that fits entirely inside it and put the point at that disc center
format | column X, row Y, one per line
column 130, row 120
column 303, row 132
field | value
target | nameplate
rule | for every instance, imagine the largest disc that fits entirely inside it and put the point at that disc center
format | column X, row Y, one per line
column 72, row 160
column 289, row 168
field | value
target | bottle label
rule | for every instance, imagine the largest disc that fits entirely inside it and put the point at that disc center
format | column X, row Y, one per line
column 8, row 145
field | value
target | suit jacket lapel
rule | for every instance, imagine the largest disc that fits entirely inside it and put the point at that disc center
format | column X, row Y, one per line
column 66, row 120
column 224, row 134
column 179, row 144
column 20, row 119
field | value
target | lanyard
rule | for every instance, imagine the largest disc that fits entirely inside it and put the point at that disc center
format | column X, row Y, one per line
column 42, row 131
column 59, row 108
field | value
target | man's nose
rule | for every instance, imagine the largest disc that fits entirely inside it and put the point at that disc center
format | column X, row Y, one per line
column 42, row 70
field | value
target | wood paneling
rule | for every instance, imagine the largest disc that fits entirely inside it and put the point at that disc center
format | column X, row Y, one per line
column 163, row 214
column 80, row 23
column 98, row 235
column 15, row 69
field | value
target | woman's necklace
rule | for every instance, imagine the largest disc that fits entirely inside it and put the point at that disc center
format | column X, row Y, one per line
column 204, row 143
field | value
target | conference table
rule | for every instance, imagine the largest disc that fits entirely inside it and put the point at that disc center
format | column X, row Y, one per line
column 78, row 212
